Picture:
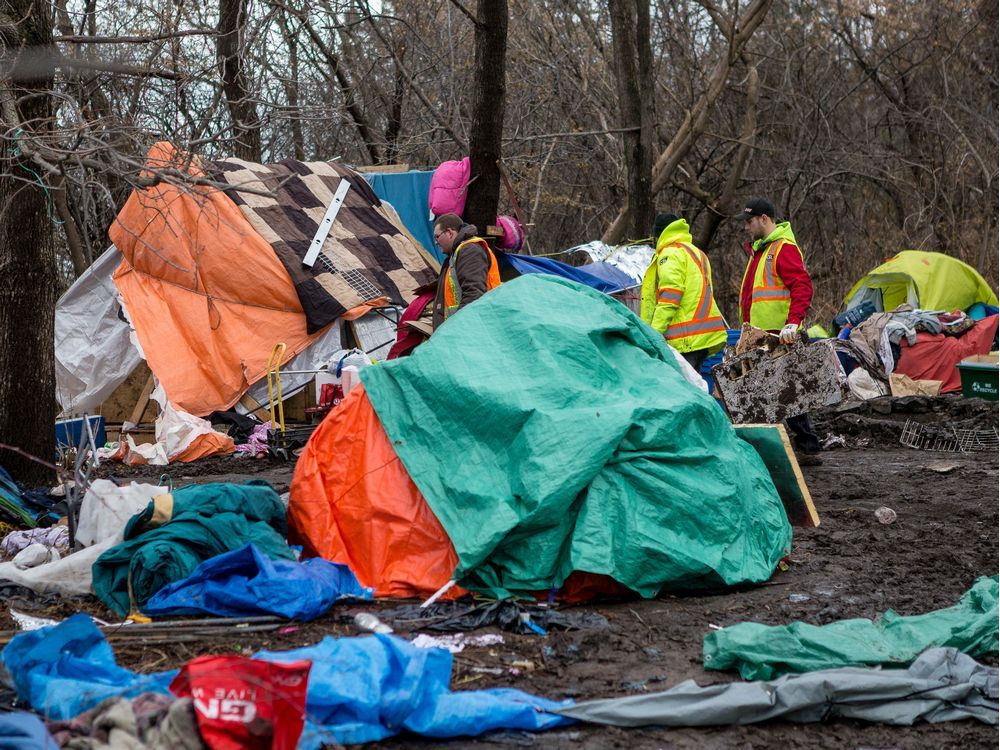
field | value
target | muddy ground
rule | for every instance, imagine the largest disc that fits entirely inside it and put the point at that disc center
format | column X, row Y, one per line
column 945, row 535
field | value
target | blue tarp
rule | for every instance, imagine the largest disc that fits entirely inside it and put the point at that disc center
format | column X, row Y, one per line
column 360, row 689
column 20, row 730
column 366, row 689
column 65, row 669
column 408, row 193
column 607, row 279
column 247, row 582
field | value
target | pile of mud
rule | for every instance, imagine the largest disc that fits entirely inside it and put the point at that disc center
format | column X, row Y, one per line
column 880, row 422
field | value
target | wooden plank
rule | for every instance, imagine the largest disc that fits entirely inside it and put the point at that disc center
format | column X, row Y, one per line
column 143, row 402
column 384, row 168
column 119, row 404
column 775, row 449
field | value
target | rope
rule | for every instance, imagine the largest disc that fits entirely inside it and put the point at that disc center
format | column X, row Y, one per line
column 48, row 196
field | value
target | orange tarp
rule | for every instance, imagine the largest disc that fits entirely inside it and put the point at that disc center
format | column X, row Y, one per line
column 353, row 502
column 206, row 294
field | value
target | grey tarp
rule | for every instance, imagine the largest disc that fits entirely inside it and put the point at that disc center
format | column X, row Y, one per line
column 943, row 684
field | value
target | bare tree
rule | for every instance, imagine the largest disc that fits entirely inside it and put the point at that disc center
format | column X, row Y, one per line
column 27, row 295
column 633, row 70
column 242, row 109
column 488, row 104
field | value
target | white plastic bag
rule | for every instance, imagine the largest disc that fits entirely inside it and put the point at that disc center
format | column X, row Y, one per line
column 106, row 508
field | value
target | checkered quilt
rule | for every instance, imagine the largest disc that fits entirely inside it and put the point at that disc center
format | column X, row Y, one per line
column 365, row 256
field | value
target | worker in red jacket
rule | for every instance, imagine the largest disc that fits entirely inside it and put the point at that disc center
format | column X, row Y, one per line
column 776, row 292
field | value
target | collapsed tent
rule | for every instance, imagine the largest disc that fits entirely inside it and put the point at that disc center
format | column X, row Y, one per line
column 760, row 652
column 942, row 685
column 204, row 278
column 543, row 431
column 930, row 281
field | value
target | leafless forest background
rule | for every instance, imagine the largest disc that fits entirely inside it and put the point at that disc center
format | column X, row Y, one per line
column 871, row 125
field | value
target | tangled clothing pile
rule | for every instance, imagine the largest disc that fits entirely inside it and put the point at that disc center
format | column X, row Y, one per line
column 176, row 532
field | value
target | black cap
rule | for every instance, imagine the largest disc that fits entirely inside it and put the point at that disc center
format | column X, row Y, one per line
column 661, row 222
column 757, row 207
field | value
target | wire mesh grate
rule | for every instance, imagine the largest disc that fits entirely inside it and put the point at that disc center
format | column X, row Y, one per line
column 948, row 439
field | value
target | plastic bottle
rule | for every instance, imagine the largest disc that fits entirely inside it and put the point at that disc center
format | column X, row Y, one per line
column 368, row 621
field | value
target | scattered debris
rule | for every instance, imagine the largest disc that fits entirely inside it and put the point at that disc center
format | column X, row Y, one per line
column 885, row 515
column 30, row 622
column 456, row 642
column 942, row 467
column 834, row 441
column 948, row 439
column 368, row 621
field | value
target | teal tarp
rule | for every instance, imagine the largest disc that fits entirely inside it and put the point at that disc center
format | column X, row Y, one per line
column 760, row 652
column 170, row 538
column 550, row 430
column 408, row 193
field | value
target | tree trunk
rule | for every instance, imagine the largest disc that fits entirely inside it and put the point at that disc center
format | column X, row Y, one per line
column 633, row 73
column 291, row 85
column 696, row 120
column 242, row 109
column 724, row 207
column 489, row 98
column 27, row 258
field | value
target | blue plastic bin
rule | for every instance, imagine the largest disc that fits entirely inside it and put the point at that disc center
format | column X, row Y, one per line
column 732, row 336
column 69, row 431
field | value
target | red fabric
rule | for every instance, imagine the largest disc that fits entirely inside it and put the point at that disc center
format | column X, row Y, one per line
column 792, row 273
column 406, row 337
column 245, row 704
column 746, row 291
column 936, row 356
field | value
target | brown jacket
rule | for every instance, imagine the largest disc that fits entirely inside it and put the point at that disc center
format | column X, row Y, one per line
column 472, row 269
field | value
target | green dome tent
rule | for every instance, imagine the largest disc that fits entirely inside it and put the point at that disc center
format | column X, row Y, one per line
column 931, row 281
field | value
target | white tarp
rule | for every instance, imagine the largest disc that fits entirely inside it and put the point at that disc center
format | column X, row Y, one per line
column 105, row 510
column 94, row 353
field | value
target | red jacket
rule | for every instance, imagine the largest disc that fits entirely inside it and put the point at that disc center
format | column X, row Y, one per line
column 793, row 274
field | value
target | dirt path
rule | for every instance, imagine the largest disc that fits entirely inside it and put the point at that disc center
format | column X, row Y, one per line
column 944, row 536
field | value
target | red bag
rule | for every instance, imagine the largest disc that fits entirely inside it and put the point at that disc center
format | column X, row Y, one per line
column 245, row 704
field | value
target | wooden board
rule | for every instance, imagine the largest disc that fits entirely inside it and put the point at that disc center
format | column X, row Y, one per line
column 383, row 168
column 772, row 444
column 118, row 406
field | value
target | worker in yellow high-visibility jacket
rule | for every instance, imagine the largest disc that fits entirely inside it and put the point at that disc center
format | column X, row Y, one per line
column 677, row 295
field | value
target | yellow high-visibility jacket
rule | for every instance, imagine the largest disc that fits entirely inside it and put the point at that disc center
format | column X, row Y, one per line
column 677, row 295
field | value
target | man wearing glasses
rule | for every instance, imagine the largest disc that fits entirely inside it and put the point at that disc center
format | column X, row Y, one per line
column 469, row 271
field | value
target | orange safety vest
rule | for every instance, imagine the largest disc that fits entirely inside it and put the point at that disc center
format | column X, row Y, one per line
column 452, row 290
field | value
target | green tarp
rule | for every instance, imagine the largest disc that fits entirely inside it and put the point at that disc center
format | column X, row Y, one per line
column 930, row 281
column 761, row 652
column 177, row 532
column 551, row 430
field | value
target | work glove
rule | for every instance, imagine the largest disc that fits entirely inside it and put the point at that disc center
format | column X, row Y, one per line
column 789, row 333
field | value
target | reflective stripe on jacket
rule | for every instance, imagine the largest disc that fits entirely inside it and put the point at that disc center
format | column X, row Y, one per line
column 677, row 297
column 770, row 299
column 453, row 290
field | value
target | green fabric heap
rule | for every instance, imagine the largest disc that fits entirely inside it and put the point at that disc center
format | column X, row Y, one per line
column 551, row 430
column 204, row 520
column 761, row 652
